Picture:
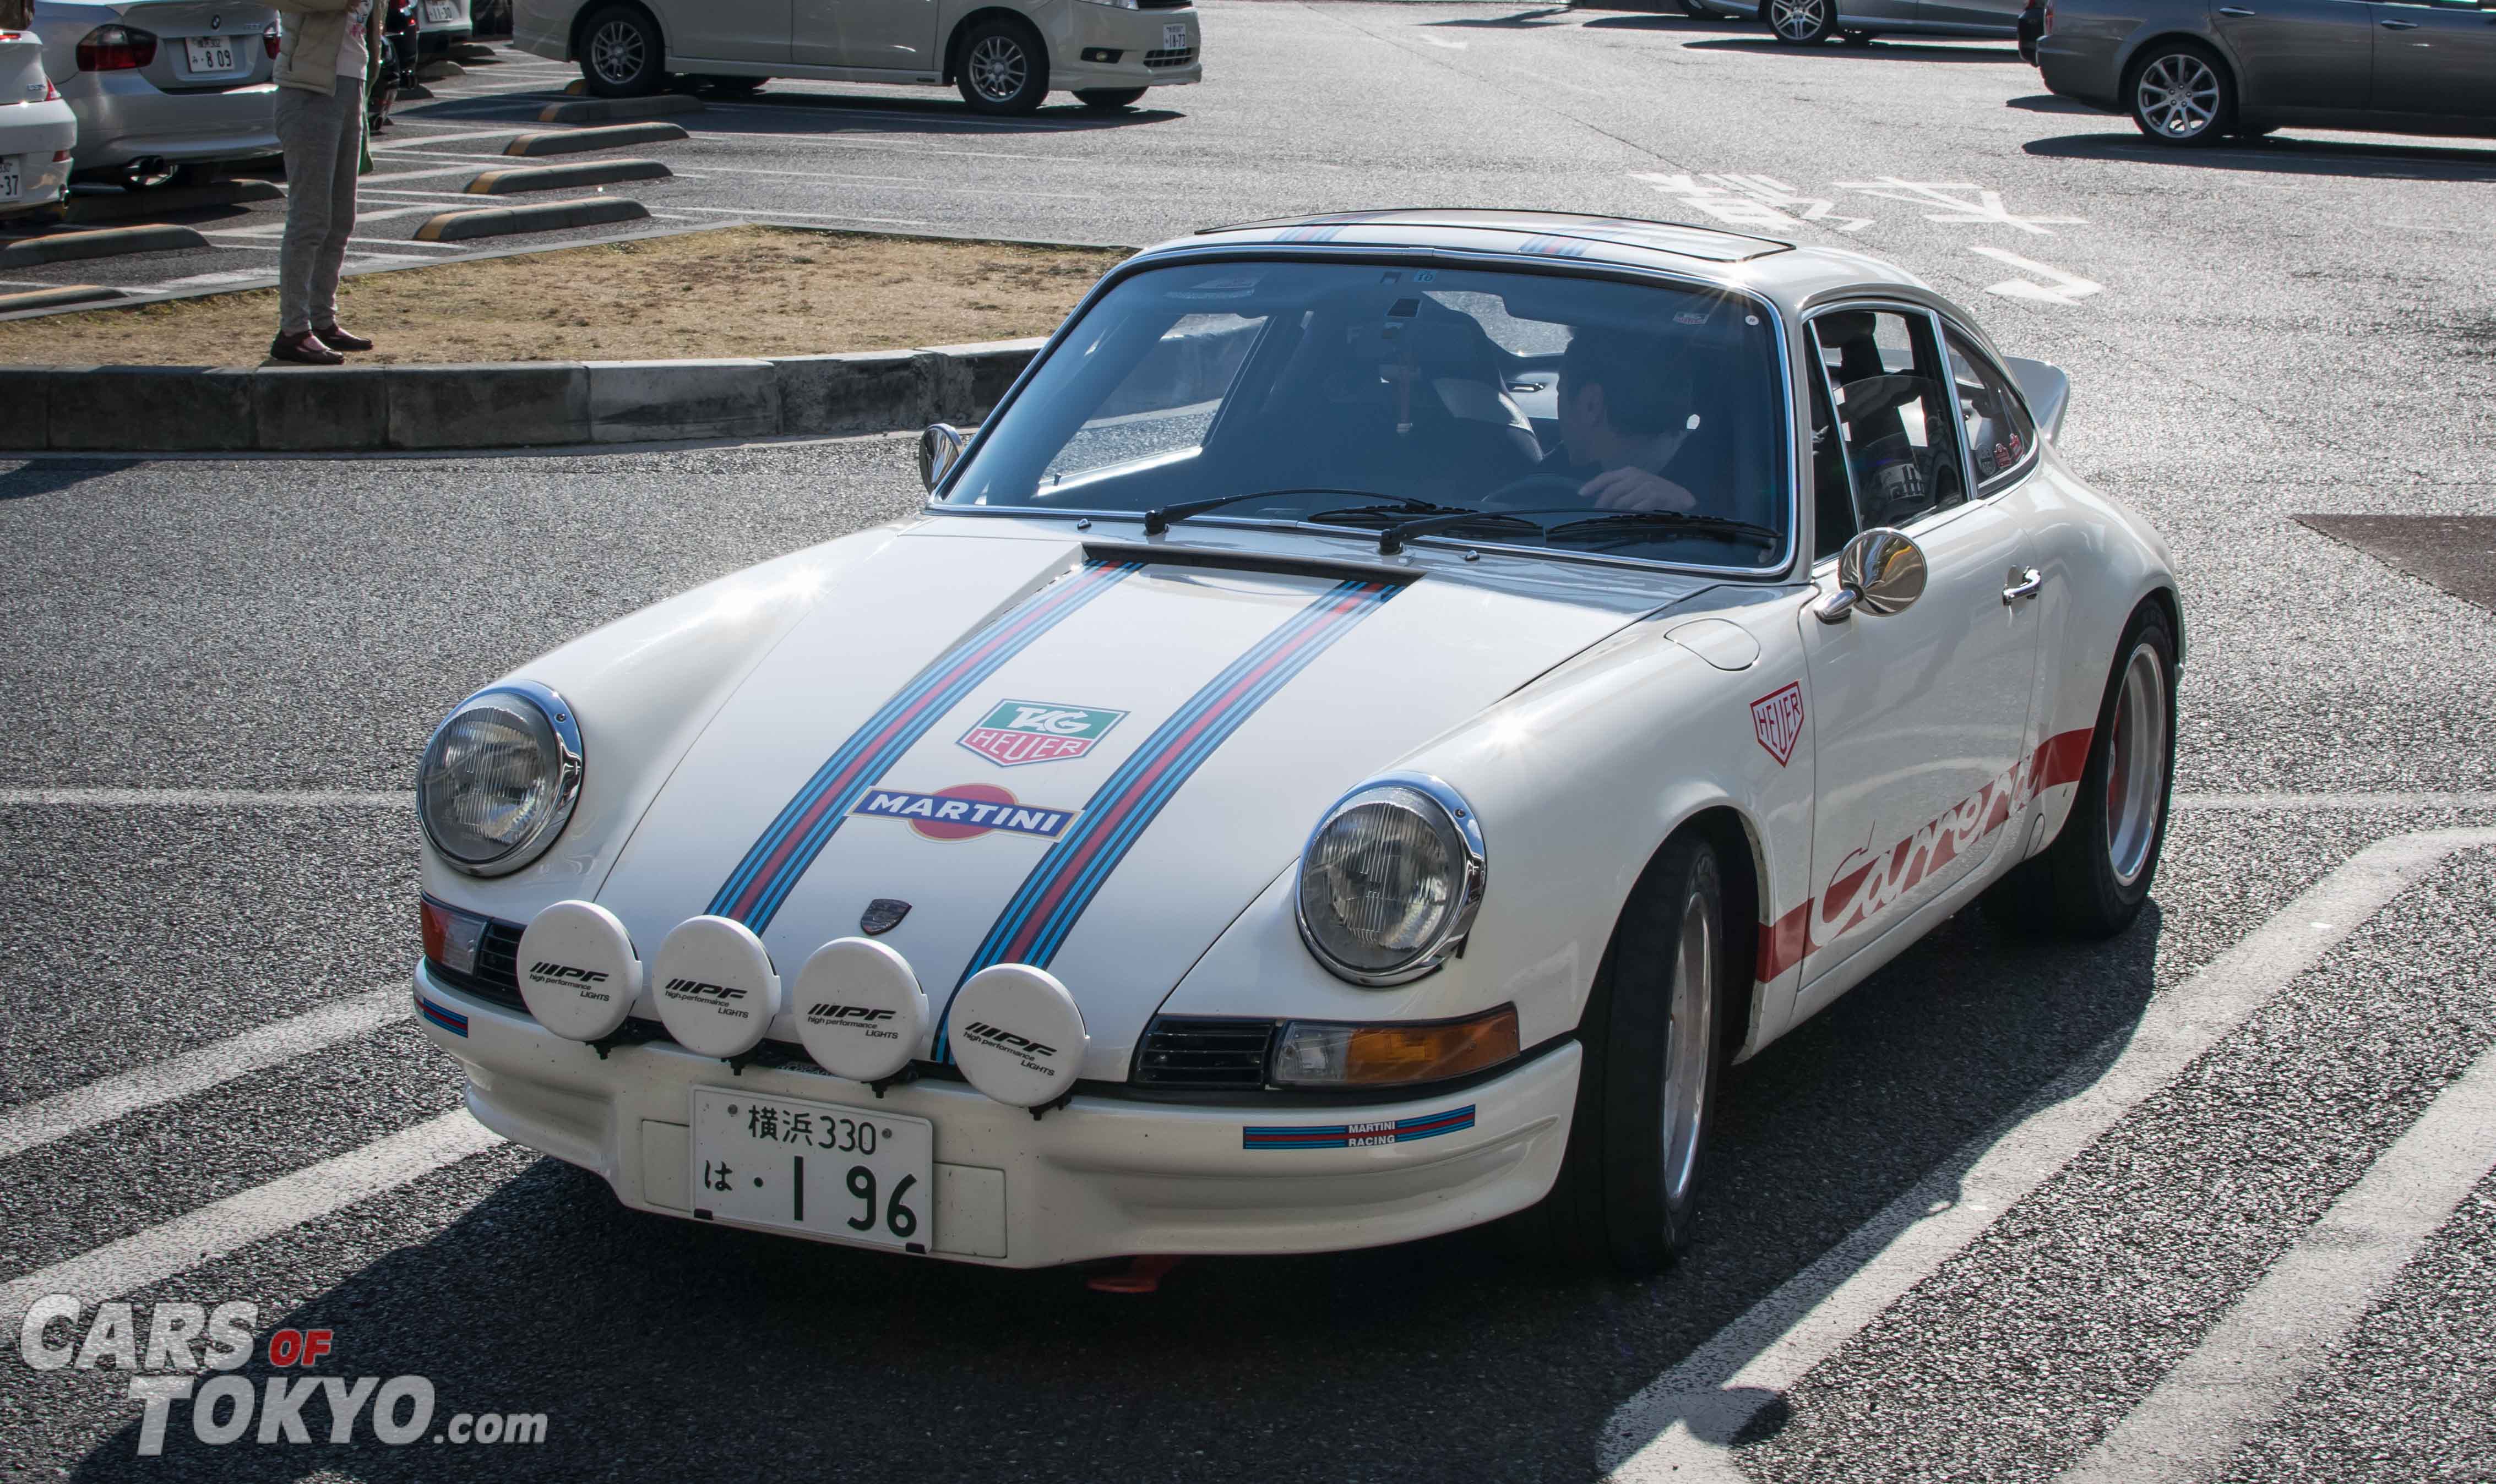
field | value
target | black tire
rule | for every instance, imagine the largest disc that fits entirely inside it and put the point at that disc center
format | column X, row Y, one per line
column 1003, row 67
column 1107, row 100
column 2093, row 881
column 622, row 54
column 1691, row 9
column 1613, row 1206
column 1857, row 38
column 1800, row 22
column 2181, row 93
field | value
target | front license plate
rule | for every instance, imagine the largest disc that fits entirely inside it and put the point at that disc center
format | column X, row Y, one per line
column 12, row 179
column 210, row 54
column 1174, row 35
column 850, row 1174
column 441, row 12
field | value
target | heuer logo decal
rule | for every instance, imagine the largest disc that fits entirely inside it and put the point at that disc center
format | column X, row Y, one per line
column 1021, row 732
column 548, row 972
column 963, row 811
column 702, row 990
column 1776, row 719
column 1007, row 1040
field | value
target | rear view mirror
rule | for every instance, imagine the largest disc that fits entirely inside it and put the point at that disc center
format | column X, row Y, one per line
column 938, row 447
column 1879, row 571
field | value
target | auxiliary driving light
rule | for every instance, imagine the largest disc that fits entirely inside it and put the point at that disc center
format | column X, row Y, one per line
column 859, row 1009
column 1017, row 1036
column 716, row 988
column 577, row 971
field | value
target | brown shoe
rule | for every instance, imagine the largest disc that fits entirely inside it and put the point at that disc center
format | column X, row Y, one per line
column 304, row 349
column 339, row 339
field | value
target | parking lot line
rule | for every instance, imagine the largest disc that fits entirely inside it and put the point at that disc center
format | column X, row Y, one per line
column 1679, row 1426
column 905, row 182
column 289, row 1201
column 101, row 1102
column 209, row 798
column 2305, row 1308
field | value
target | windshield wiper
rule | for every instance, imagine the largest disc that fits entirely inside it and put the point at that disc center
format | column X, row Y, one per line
column 1162, row 517
column 1386, row 514
column 1624, row 523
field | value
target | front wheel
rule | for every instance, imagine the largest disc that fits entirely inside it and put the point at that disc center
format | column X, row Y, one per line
column 1801, row 23
column 1653, row 1052
column 1107, row 100
column 622, row 54
column 1004, row 68
column 2182, row 95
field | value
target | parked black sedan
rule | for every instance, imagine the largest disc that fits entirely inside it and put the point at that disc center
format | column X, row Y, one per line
column 2032, row 25
column 2193, row 72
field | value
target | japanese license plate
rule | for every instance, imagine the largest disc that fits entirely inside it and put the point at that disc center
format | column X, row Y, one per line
column 850, row 1174
column 210, row 54
column 13, row 182
column 441, row 12
column 1174, row 35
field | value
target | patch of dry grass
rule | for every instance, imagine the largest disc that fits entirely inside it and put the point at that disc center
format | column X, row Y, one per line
column 748, row 290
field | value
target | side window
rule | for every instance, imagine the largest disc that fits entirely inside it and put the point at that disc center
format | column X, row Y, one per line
column 1167, row 403
column 1833, row 498
column 1893, row 412
column 2000, row 436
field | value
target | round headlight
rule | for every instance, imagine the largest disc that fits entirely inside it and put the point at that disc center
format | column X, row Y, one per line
column 499, row 777
column 1390, row 879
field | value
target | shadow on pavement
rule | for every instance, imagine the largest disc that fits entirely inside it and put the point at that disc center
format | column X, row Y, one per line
column 51, row 476
column 2047, row 102
column 667, row 1349
column 1879, row 50
column 2297, row 155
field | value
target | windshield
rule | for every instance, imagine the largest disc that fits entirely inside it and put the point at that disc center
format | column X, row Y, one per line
column 1570, row 413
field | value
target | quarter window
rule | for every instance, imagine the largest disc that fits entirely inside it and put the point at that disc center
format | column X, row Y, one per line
column 1893, row 412
column 2000, row 436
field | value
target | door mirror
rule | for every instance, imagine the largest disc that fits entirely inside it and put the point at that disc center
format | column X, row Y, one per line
column 938, row 447
column 1881, row 570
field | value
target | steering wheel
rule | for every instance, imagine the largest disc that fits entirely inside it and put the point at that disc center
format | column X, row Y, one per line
column 1550, row 487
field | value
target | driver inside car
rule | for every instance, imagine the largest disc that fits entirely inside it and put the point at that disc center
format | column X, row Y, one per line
column 1626, row 420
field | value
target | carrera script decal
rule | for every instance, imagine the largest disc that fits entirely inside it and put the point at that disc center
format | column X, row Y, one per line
column 1022, row 732
column 1867, row 883
column 1399, row 1131
column 1053, row 899
column 753, row 891
column 964, row 811
column 1776, row 719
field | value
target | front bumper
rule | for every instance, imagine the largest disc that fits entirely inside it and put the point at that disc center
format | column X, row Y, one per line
column 122, row 117
column 1138, row 40
column 1100, row 1177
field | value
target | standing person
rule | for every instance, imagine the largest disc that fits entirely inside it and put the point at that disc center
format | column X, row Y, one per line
column 321, row 58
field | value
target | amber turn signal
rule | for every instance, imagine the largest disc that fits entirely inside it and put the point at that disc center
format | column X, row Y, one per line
column 1316, row 1053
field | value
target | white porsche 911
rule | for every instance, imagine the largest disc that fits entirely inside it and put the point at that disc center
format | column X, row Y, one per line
column 1387, row 708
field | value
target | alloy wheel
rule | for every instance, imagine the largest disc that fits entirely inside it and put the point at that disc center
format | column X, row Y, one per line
column 2136, row 765
column 1690, row 1043
column 1796, row 19
column 998, row 67
column 617, row 51
column 2178, row 94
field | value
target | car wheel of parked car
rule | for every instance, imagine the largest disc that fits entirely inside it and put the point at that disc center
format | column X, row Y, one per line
column 1653, row 1051
column 1004, row 68
column 2182, row 95
column 1803, row 23
column 1107, row 100
column 2093, row 879
column 622, row 54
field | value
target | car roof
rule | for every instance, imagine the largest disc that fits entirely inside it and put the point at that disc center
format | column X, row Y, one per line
column 1791, row 273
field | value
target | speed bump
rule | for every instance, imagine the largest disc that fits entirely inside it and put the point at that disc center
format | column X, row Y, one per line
column 54, row 298
column 555, row 177
column 104, row 242
column 545, row 216
column 574, row 141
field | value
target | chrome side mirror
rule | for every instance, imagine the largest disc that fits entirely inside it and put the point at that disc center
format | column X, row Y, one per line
column 938, row 447
column 1881, row 570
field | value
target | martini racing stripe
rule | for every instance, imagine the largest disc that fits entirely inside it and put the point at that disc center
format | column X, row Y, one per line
column 1053, row 897
column 753, row 893
column 1401, row 1131
column 447, row 1019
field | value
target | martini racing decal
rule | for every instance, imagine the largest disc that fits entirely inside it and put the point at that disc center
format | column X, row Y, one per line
column 963, row 811
column 753, row 891
column 1776, row 719
column 1050, row 901
column 1399, row 1131
column 447, row 1019
column 1022, row 731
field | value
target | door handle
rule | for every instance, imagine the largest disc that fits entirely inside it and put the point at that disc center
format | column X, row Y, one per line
column 2398, row 25
column 2025, row 582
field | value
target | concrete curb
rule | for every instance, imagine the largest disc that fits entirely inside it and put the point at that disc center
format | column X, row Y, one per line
column 574, row 141
column 590, row 110
column 315, row 409
column 557, row 178
column 103, row 242
column 539, row 216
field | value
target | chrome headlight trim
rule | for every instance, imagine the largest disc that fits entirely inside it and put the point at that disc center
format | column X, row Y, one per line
column 568, row 764
column 1473, row 867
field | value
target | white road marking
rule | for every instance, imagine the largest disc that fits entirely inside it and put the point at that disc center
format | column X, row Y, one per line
column 102, row 1101
column 209, row 798
column 1979, row 204
column 835, row 178
column 374, row 180
column 275, row 229
column 1441, row 41
column 2059, row 288
column 1677, row 1427
column 289, row 1201
column 2249, row 1365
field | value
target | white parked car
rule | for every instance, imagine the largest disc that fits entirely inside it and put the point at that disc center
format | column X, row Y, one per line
column 441, row 25
column 1387, row 708
column 159, row 84
column 37, row 128
column 1004, row 55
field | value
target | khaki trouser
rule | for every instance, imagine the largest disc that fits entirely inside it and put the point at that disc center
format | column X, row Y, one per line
column 323, row 138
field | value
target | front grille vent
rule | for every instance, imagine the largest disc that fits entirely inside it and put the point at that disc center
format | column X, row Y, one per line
column 1169, row 56
column 1215, row 1055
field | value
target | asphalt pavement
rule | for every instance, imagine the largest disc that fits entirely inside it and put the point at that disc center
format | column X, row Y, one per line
column 219, row 674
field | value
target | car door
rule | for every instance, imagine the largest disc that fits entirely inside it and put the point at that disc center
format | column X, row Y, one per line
column 1922, row 715
column 2434, row 56
column 726, row 30
column 1985, row 17
column 885, row 35
column 2298, row 53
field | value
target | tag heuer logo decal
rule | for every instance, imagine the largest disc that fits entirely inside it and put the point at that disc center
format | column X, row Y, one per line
column 1776, row 719
column 1021, row 732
